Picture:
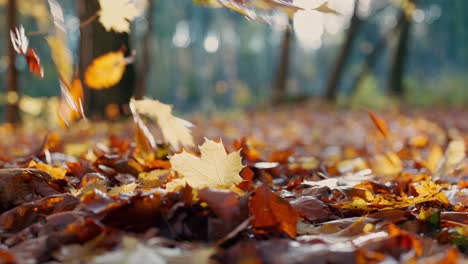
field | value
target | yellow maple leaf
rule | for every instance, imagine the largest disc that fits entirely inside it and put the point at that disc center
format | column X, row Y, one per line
column 116, row 15
column 175, row 130
column 106, row 70
column 215, row 168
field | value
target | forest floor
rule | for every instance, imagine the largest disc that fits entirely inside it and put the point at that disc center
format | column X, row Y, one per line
column 318, row 185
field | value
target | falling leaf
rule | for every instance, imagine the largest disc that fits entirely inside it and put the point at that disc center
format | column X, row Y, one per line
column 106, row 70
column 271, row 211
column 215, row 168
column 379, row 123
column 117, row 15
column 175, row 130
column 20, row 43
column 145, row 143
column 70, row 108
column 19, row 40
column 34, row 63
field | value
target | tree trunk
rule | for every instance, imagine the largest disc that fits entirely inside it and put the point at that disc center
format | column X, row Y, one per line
column 145, row 65
column 282, row 72
column 397, row 67
column 336, row 72
column 96, row 41
column 12, row 95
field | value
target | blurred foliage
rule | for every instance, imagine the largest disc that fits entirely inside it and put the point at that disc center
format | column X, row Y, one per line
column 208, row 59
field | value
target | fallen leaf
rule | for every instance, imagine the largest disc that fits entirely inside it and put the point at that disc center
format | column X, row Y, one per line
column 126, row 188
column 175, row 130
column 215, row 168
column 453, row 156
column 271, row 211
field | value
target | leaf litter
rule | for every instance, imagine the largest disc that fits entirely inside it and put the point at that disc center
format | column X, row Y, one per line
column 331, row 187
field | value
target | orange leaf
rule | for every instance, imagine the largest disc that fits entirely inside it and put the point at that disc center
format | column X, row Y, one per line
column 106, row 70
column 20, row 43
column 34, row 63
column 271, row 211
column 379, row 123
column 70, row 107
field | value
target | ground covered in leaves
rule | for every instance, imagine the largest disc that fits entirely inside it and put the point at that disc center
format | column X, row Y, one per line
column 296, row 185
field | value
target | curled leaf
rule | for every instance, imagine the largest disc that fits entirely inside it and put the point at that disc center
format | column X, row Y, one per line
column 175, row 130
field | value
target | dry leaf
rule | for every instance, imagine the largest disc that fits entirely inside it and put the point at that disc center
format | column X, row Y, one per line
column 270, row 210
column 56, row 172
column 20, row 43
column 106, row 70
column 70, row 108
column 175, row 130
column 19, row 40
column 145, row 143
column 215, row 168
column 453, row 156
column 126, row 188
column 117, row 15
column 379, row 123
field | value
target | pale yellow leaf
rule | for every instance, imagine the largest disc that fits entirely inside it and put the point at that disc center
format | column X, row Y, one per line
column 175, row 185
column 117, row 15
column 215, row 168
column 126, row 188
column 454, row 155
column 175, row 130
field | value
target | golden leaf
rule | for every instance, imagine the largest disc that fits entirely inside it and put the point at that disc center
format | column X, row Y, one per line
column 56, row 172
column 215, row 168
column 106, row 70
column 175, row 130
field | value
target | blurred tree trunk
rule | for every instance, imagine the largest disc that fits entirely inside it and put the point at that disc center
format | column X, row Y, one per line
column 336, row 71
column 145, row 65
column 282, row 72
column 12, row 94
column 398, row 60
column 96, row 41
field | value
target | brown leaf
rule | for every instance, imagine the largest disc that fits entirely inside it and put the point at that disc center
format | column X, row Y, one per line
column 271, row 211
column 379, row 123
